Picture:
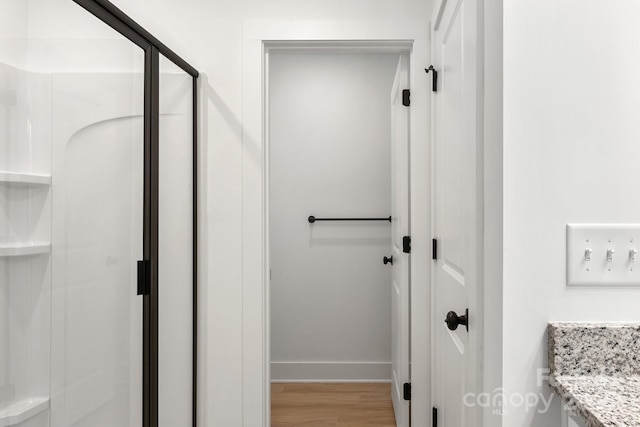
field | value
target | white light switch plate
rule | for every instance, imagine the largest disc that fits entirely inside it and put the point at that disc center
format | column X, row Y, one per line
column 596, row 241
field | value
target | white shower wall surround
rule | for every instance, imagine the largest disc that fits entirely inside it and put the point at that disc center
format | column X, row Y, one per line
column 97, row 134
column 25, row 244
column 71, row 155
column 57, row 354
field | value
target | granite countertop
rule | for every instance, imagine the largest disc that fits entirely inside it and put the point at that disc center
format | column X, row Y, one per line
column 595, row 369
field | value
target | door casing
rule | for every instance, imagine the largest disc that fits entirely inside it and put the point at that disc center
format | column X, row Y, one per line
column 258, row 39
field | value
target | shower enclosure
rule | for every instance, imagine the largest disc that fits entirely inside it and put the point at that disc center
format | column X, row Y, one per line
column 97, row 220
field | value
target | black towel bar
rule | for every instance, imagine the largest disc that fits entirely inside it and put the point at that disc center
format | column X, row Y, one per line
column 313, row 219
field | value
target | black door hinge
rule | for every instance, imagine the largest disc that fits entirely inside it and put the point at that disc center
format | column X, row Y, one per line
column 406, row 97
column 434, row 81
column 406, row 391
column 434, row 249
column 406, row 244
column 434, row 417
column 144, row 277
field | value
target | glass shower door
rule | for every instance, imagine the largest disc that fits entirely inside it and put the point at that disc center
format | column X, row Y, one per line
column 98, row 210
column 175, row 247
column 96, row 174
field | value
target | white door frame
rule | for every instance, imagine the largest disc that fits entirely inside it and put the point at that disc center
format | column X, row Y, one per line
column 258, row 37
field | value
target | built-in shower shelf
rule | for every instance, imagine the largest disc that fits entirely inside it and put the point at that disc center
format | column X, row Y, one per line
column 24, row 178
column 27, row 248
column 22, row 410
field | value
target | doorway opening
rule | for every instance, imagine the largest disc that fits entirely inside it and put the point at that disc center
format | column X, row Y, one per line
column 338, row 313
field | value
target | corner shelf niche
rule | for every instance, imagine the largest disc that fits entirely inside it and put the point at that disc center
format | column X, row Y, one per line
column 25, row 178
column 27, row 248
column 22, row 410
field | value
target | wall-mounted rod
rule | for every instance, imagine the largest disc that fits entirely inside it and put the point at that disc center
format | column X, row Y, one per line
column 313, row 219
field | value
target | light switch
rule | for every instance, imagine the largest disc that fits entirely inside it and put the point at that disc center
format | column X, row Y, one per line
column 603, row 254
column 610, row 253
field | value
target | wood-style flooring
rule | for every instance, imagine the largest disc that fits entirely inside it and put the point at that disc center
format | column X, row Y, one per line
column 331, row 405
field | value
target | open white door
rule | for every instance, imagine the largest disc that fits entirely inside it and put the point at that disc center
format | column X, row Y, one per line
column 456, row 199
column 400, row 228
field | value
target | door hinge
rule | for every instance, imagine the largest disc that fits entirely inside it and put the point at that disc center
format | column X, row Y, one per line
column 434, row 81
column 434, row 249
column 434, row 417
column 406, row 244
column 406, row 391
column 144, row 277
column 406, row 97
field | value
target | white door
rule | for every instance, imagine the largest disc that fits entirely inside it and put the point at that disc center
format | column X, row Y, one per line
column 399, row 229
column 456, row 211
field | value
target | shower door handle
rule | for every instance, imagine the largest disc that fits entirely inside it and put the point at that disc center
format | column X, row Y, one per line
column 144, row 276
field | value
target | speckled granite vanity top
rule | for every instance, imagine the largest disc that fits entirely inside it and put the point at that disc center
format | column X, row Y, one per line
column 595, row 368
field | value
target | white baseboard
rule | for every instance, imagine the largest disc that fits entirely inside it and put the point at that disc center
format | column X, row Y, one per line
column 330, row 372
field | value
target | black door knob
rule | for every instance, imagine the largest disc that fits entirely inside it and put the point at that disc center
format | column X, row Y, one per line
column 453, row 320
column 388, row 260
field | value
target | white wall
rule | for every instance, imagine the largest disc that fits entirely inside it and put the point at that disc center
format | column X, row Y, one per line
column 13, row 32
column 329, row 123
column 493, row 206
column 64, row 37
column 571, row 153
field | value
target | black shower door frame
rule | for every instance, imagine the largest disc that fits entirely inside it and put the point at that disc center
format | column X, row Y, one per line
column 122, row 23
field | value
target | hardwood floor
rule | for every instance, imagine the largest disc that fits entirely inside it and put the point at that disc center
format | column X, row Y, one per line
column 331, row 405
